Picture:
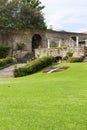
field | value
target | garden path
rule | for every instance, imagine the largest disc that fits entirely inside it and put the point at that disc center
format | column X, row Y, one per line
column 8, row 71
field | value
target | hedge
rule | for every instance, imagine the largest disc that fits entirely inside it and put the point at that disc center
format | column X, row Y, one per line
column 75, row 59
column 4, row 51
column 5, row 61
column 34, row 66
column 69, row 54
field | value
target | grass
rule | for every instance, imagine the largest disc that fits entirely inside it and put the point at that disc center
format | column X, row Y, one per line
column 56, row 101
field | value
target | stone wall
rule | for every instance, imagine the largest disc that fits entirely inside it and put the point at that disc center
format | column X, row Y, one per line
column 77, row 52
column 25, row 36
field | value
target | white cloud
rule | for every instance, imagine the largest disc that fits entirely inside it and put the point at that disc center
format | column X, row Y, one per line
column 66, row 14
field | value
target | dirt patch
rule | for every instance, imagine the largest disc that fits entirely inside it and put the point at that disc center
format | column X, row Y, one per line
column 55, row 69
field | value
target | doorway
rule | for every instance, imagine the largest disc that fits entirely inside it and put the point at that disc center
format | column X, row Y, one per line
column 36, row 42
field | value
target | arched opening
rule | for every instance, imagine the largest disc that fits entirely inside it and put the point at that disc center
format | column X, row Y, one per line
column 58, row 59
column 36, row 42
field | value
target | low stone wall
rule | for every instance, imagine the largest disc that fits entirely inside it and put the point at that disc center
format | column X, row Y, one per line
column 77, row 52
column 54, row 52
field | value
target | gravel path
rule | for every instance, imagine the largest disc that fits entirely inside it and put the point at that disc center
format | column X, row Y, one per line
column 8, row 72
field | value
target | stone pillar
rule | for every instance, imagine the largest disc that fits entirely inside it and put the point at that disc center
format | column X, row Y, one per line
column 48, row 43
column 86, row 43
column 77, row 41
column 59, row 43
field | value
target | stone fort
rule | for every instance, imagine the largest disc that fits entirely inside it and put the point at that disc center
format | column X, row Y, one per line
column 35, row 39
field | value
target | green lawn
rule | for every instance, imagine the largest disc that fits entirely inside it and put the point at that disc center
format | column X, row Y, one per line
column 56, row 101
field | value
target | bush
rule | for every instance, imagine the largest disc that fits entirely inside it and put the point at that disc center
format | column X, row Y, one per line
column 75, row 59
column 59, row 47
column 5, row 61
column 34, row 66
column 20, row 46
column 69, row 54
column 9, row 60
column 4, row 50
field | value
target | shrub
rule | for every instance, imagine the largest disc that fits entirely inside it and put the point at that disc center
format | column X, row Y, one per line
column 5, row 61
column 20, row 46
column 8, row 60
column 75, row 59
column 4, row 50
column 69, row 54
column 34, row 66
column 59, row 47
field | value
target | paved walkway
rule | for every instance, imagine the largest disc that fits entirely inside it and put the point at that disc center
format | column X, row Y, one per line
column 8, row 72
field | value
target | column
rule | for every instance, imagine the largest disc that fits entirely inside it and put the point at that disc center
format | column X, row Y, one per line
column 59, row 43
column 48, row 43
column 77, row 41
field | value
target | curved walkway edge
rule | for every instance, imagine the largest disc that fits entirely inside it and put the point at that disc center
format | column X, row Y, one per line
column 8, row 71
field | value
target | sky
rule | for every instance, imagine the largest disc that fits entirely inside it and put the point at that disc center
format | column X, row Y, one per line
column 68, row 15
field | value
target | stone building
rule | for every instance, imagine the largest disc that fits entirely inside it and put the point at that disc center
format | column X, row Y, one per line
column 34, row 39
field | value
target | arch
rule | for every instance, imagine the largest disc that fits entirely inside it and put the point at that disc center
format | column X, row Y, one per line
column 36, row 41
column 58, row 59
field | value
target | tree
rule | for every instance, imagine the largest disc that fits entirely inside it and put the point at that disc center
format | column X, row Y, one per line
column 35, row 4
column 21, row 14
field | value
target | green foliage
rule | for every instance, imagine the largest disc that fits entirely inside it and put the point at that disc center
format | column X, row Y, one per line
column 59, row 47
column 75, row 59
column 5, row 61
column 20, row 46
column 4, row 50
column 4, row 22
column 33, row 4
column 69, row 54
column 8, row 60
column 22, row 14
column 34, row 66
